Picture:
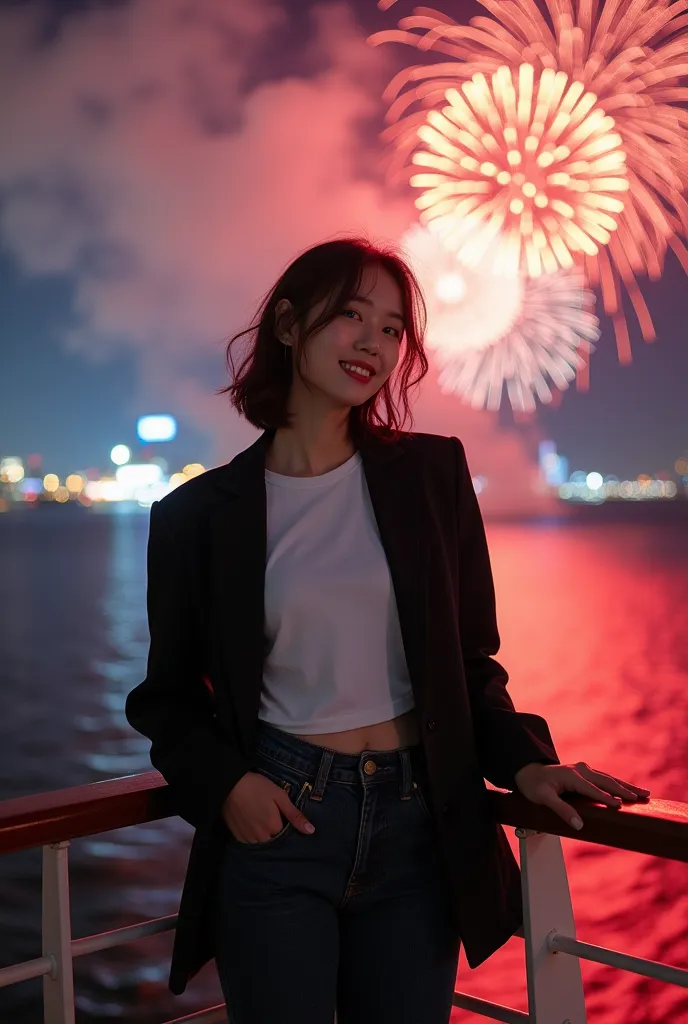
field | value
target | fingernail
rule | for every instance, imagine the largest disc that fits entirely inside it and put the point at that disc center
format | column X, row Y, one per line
column 309, row 828
column 576, row 822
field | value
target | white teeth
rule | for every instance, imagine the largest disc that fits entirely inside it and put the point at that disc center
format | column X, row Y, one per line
column 356, row 369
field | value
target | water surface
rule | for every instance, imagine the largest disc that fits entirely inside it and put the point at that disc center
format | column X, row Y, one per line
column 593, row 623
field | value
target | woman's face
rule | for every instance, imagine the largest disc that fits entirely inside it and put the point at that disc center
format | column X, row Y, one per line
column 348, row 360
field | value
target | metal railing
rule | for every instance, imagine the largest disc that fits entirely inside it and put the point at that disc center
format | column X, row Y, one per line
column 554, row 981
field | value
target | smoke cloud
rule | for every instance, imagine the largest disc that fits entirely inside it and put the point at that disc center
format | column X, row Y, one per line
column 148, row 159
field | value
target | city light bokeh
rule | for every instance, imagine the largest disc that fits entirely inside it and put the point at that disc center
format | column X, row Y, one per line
column 134, row 486
column 120, row 455
column 156, row 428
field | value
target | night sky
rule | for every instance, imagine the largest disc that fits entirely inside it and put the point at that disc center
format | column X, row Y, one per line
column 71, row 399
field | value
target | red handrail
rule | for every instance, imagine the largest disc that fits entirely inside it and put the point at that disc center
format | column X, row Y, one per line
column 657, row 827
column 45, row 818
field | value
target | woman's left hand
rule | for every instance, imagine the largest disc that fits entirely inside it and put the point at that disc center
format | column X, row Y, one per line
column 542, row 784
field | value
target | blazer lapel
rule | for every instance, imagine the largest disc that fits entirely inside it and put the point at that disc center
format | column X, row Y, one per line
column 238, row 525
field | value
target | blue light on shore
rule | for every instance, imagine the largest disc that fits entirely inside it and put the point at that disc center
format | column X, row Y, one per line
column 156, row 428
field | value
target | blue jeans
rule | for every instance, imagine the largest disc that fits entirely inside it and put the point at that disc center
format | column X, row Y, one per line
column 354, row 917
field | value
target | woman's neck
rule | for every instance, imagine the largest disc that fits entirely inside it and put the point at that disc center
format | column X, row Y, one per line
column 295, row 453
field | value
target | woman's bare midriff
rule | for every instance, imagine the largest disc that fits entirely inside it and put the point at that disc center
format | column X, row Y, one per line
column 397, row 732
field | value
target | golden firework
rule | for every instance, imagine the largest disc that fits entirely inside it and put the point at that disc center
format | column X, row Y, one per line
column 541, row 167
column 625, row 61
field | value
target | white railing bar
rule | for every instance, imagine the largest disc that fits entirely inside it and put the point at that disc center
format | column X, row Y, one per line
column 495, row 1011
column 58, row 984
column 118, row 936
column 554, row 983
column 24, row 971
column 28, row 969
column 602, row 955
column 213, row 1015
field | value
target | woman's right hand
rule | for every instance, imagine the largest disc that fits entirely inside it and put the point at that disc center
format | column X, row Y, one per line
column 251, row 812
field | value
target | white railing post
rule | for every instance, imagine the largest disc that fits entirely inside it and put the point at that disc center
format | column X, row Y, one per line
column 58, row 985
column 555, row 984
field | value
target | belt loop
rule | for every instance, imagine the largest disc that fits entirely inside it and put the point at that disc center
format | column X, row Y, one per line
column 322, row 773
column 405, row 791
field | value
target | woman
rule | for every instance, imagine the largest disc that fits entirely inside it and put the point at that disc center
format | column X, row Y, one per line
column 321, row 694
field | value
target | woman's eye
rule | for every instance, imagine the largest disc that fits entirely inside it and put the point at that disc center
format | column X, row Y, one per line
column 352, row 314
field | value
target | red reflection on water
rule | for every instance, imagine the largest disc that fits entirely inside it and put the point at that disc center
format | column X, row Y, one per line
column 593, row 635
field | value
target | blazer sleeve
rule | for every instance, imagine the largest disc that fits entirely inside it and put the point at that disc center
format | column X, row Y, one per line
column 172, row 706
column 506, row 739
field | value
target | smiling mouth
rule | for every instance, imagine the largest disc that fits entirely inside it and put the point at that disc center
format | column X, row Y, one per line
column 356, row 372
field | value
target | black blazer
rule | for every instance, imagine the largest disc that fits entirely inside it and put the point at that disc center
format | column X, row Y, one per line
column 199, row 701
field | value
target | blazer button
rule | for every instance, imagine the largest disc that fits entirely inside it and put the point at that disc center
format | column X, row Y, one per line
column 431, row 724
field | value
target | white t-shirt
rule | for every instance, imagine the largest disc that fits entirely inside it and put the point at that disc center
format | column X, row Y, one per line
column 335, row 657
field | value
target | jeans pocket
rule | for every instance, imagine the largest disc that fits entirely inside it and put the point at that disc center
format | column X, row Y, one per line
column 421, row 801
column 298, row 792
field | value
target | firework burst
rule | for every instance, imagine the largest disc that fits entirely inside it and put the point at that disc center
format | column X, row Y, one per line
column 547, row 181
column 541, row 330
column 564, row 138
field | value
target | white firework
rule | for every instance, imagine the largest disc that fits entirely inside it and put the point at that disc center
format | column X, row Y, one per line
column 487, row 328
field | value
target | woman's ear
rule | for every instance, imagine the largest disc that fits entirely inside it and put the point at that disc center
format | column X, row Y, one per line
column 284, row 322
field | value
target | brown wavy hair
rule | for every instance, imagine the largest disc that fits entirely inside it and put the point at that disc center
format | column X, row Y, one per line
column 331, row 273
